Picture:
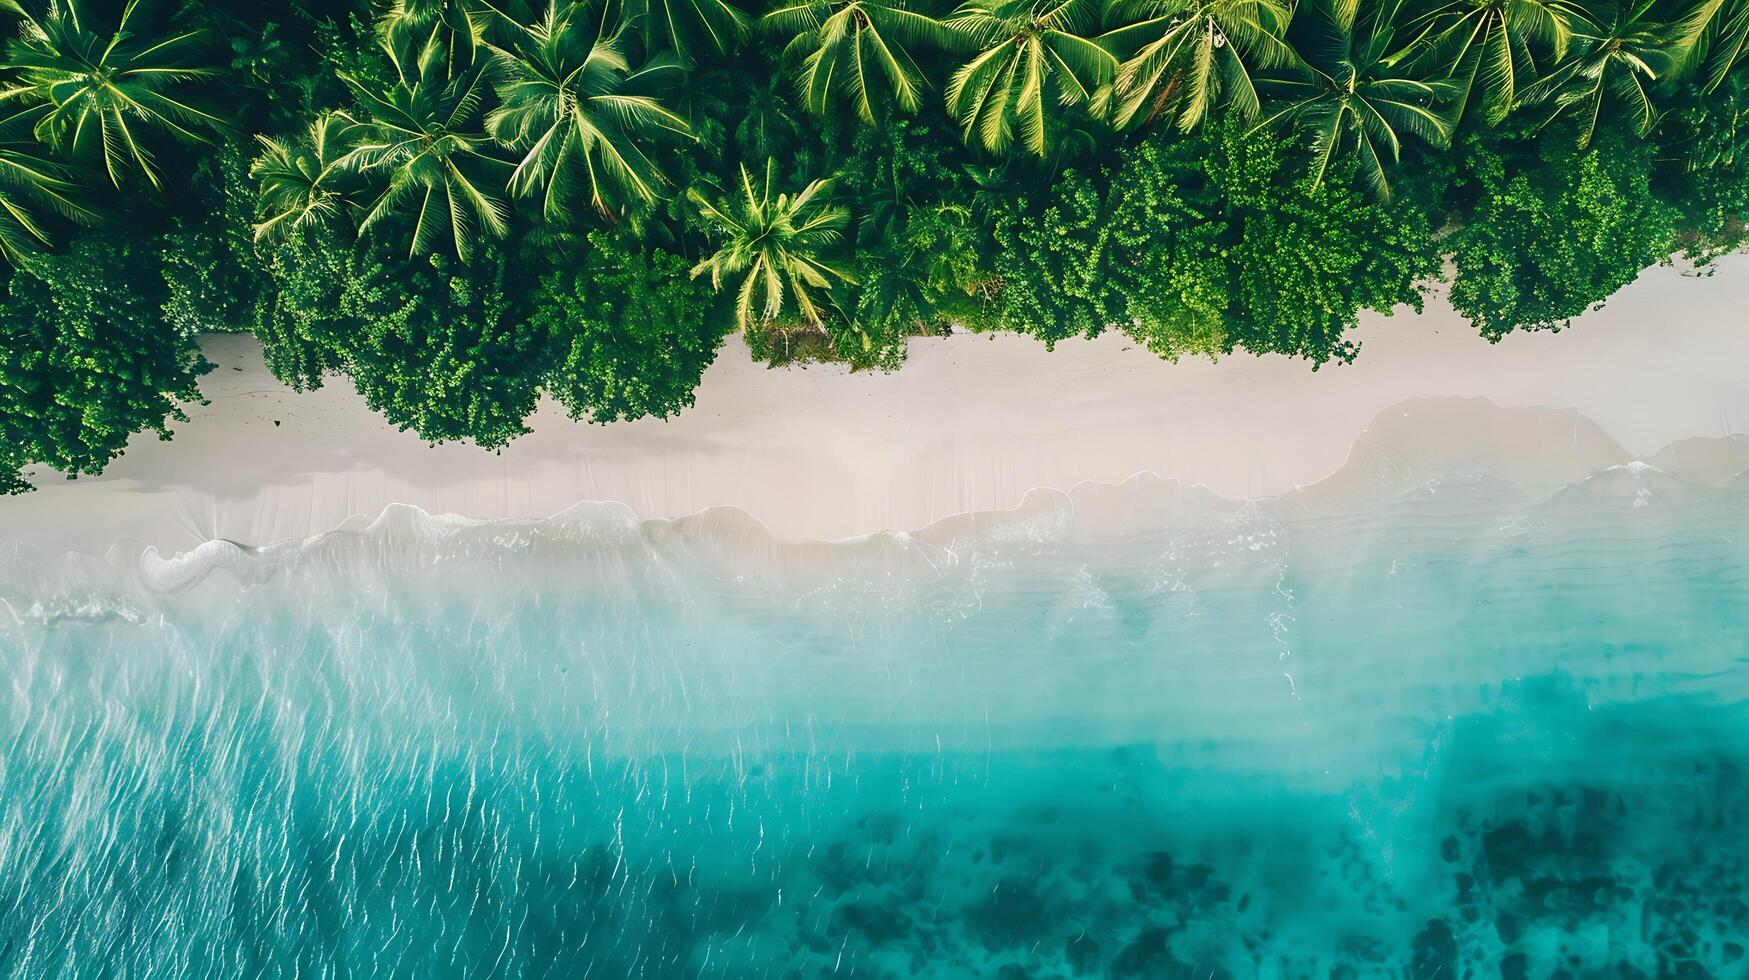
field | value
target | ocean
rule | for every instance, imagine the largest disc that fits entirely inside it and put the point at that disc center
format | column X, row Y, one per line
column 1467, row 709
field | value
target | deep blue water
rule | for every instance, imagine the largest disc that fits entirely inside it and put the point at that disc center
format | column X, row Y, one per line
column 1444, row 723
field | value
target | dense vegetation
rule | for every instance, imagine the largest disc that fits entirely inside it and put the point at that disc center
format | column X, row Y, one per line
column 461, row 204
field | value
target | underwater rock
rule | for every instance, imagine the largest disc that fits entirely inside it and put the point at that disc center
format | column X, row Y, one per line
column 1082, row 954
column 1149, row 957
column 1435, row 952
column 1016, row 912
column 880, row 922
column 1507, row 851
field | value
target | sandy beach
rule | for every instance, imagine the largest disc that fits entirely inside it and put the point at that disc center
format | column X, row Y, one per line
column 971, row 423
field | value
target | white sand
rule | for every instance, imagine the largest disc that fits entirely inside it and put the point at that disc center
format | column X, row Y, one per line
column 970, row 423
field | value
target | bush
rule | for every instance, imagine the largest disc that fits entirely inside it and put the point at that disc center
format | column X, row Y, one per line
column 87, row 359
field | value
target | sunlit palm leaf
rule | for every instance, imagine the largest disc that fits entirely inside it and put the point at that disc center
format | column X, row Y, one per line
column 1714, row 38
column 860, row 49
column 570, row 104
column 105, row 93
column 406, row 23
column 1187, row 58
column 30, row 184
column 776, row 245
column 307, row 182
column 419, row 142
column 1615, row 63
column 1030, row 52
column 1356, row 94
column 1492, row 47
column 689, row 28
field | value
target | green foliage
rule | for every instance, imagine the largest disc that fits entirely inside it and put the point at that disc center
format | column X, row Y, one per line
column 1140, row 247
column 1554, row 231
column 911, row 283
column 1182, row 246
column 1707, row 172
column 85, row 360
column 1166, row 256
column 1049, row 264
column 278, row 61
column 212, row 275
column 436, row 346
column 920, row 244
column 300, row 310
column 1309, row 256
column 632, row 333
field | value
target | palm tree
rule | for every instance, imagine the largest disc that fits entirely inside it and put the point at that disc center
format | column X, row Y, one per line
column 467, row 27
column 1193, row 53
column 406, row 22
column 566, row 102
column 1493, row 43
column 421, row 140
column 307, row 182
column 1621, row 57
column 858, row 47
column 777, row 243
column 103, row 91
column 689, row 27
column 1715, row 33
column 1030, row 51
column 1353, row 90
column 29, row 182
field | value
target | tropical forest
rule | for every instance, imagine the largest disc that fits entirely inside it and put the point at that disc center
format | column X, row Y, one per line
column 460, row 207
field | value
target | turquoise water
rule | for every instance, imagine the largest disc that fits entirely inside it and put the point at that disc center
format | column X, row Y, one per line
column 1441, row 719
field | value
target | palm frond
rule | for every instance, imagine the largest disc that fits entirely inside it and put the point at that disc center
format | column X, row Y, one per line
column 779, row 245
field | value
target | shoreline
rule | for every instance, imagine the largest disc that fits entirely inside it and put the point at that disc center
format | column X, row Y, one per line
column 971, row 423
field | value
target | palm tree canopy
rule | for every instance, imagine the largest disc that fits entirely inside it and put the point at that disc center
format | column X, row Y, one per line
column 688, row 28
column 1495, row 45
column 466, row 25
column 1714, row 35
column 858, row 48
column 1030, row 51
column 779, row 243
column 1621, row 56
column 1355, row 90
column 421, row 140
column 305, row 182
column 30, row 182
column 1192, row 55
column 569, row 102
column 102, row 90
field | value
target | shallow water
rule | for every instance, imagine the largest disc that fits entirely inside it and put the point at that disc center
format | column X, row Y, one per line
column 1473, row 707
